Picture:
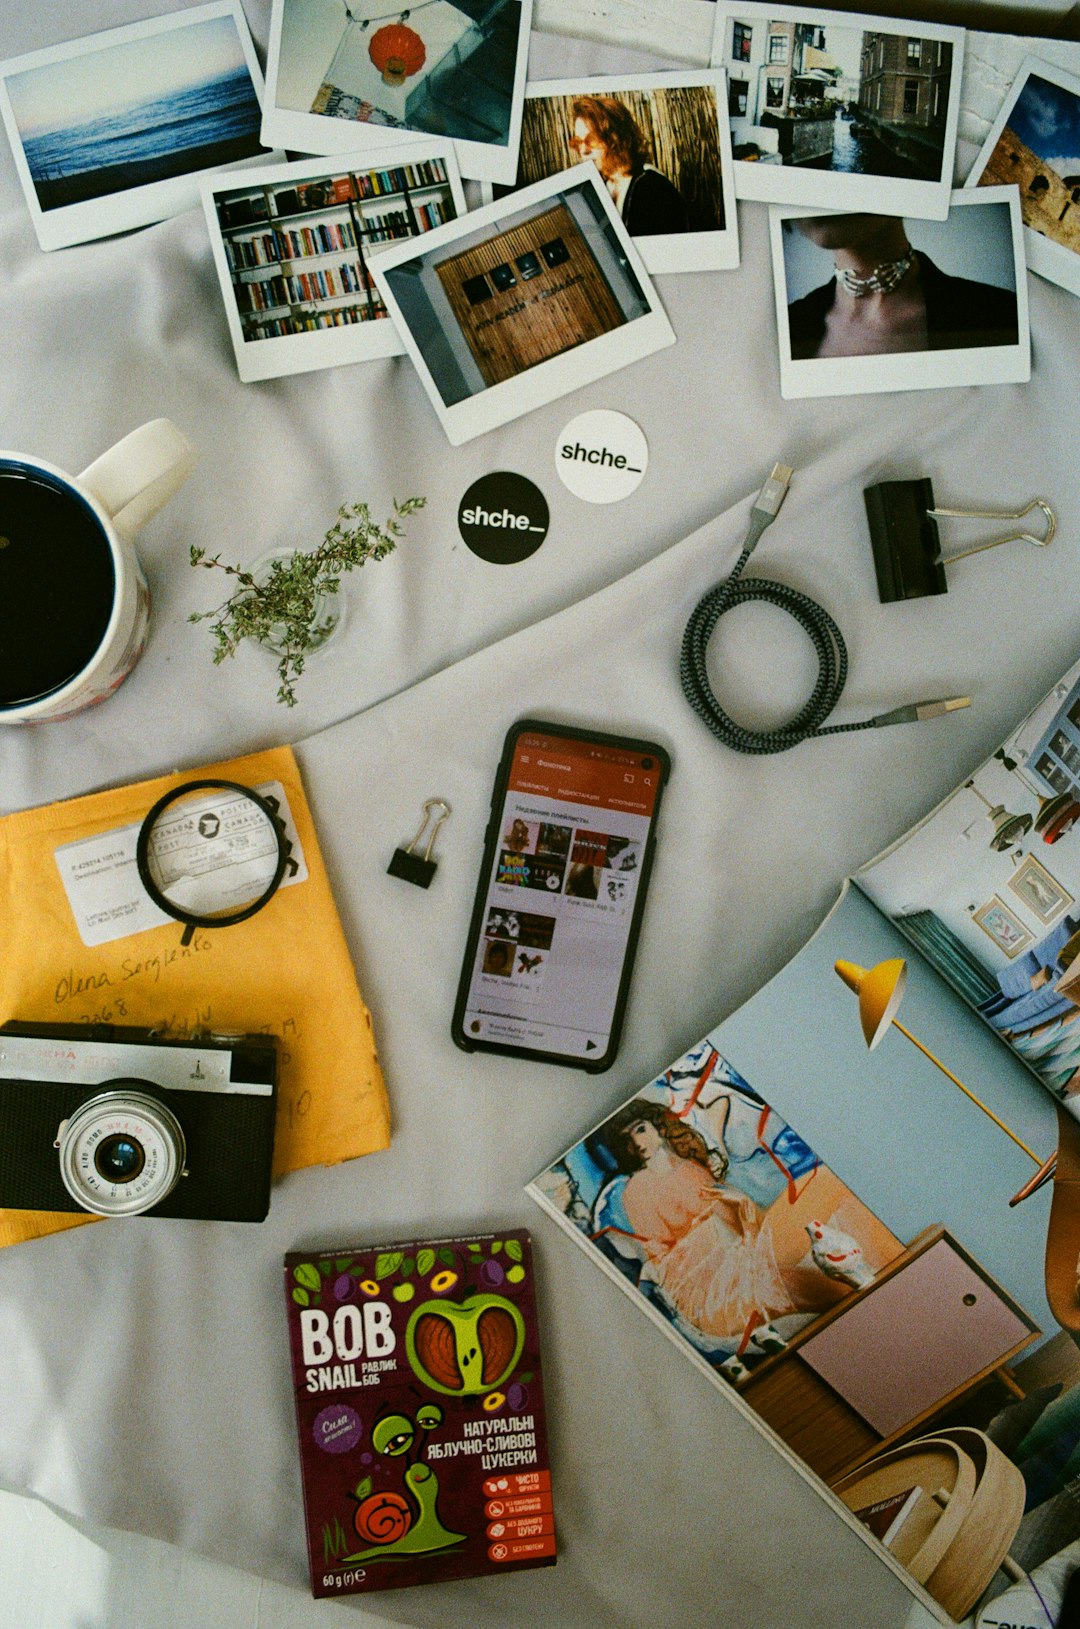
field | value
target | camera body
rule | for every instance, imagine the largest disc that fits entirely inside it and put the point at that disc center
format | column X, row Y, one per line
column 118, row 1121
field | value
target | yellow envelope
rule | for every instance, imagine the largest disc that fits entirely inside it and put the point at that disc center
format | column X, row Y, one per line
column 285, row 971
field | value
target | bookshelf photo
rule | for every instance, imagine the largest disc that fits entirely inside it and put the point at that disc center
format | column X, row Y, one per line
column 297, row 250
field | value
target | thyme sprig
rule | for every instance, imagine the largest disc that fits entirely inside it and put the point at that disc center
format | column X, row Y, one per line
column 280, row 612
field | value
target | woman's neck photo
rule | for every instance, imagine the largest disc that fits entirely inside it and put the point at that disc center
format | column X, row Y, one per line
column 879, row 305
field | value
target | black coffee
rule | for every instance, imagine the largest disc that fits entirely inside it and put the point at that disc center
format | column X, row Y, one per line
column 57, row 585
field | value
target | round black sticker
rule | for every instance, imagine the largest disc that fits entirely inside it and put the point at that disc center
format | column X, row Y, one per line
column 503, row 518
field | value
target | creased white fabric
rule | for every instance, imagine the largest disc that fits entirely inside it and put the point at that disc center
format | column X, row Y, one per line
column 143, row 1367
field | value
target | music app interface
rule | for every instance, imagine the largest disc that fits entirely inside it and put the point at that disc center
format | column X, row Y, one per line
column 569, row 850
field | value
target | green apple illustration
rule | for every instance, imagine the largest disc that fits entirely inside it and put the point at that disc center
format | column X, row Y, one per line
column 464, row 1348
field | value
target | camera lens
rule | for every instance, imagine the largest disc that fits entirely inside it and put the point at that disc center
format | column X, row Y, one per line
column 119, row 1158
column 646, row 763
column 121, row 1152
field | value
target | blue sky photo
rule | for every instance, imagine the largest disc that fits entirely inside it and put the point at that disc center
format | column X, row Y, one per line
column 1046, row 117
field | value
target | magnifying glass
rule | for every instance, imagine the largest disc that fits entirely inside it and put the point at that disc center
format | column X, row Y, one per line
column 211, row 853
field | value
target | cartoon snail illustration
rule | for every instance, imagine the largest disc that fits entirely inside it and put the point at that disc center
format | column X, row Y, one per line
column 389, row 1522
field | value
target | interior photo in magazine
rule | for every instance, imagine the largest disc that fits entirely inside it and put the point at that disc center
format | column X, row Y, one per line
column 988, row 887
column 853, row 1207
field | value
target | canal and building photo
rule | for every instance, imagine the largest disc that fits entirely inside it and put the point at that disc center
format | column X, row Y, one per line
column 827, row 95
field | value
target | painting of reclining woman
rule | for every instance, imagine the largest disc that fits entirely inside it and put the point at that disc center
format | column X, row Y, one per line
column 717, row 1211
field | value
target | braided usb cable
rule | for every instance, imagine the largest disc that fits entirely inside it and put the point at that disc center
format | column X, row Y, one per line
column 824, row 635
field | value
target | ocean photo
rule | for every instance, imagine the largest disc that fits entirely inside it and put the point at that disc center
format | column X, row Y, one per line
column 122, row 116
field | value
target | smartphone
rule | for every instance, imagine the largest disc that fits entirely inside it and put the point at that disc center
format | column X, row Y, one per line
column 567, row 856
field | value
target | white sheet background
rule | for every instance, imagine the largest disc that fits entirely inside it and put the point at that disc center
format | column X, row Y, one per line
column 143, row 1368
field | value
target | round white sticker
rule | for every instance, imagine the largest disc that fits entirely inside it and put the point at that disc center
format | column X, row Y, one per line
column 602, row 456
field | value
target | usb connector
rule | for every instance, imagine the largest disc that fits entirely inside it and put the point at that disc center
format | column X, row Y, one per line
column 828, row 642
column 767, row 504
column 916, row 711
column 775, row 490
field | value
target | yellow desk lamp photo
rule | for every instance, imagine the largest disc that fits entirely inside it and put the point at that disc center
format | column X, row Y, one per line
column 880, row 991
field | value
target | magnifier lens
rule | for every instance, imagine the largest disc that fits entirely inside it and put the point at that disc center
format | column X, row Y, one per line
column 212, row 853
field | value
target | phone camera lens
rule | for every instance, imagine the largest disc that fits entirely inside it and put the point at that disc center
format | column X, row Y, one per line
column 646, row 763
column 119, row 1158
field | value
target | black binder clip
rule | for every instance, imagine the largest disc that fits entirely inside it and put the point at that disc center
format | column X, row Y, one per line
column 907, row 548
column 418, row 868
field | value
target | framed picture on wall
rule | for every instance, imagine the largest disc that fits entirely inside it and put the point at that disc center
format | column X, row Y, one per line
column 1005, row 929
column 1041, row 893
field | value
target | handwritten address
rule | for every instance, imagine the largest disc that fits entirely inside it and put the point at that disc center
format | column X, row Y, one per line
column 150, row 968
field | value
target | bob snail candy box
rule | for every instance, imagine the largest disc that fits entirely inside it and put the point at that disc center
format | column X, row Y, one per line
column 420, row 1412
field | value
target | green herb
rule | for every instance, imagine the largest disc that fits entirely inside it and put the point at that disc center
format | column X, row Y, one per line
column 280, row 611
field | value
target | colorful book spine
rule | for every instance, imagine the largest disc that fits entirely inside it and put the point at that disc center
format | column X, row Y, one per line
column 306, row 241
column 263, row 293
column 307, row 322
column 381, row 183
column 381, row 228
column 255, row 251
column 429, row 215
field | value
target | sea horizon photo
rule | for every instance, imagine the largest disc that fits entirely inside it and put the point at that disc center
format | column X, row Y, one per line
column 123, row 115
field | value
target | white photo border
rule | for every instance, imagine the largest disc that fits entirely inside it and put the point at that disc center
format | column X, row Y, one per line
column 559, row 375
column 716, row 250
column 138, row 206
column 909, row 370
column 322, row 133
column 876, row 194
column 1049, row 259
column 278, row 355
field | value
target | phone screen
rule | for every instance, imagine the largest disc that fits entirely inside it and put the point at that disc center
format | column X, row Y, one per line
column 568, row 862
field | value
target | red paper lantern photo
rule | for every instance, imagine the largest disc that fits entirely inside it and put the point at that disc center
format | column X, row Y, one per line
column 397, row 52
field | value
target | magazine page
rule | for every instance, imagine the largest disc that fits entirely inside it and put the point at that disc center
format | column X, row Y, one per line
column 824, row 1227
column 988, row 888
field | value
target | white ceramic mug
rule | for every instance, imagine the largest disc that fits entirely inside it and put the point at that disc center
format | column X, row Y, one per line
column 106, row 504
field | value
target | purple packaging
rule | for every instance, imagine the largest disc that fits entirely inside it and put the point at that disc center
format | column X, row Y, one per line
column 420, row 1412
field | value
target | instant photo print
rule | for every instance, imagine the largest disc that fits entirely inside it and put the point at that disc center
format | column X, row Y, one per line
column 521, row 302
column 1034, row 144
column 112, row 131
column 840, row 111
column 349, row 79
column 965, row 311
column 663, row 148
column 293, row 245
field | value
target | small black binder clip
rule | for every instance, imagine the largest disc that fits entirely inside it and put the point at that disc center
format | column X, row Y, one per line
column 906, row 544
column 419, row 868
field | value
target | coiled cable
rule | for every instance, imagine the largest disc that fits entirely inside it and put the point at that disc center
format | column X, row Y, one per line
column 824, row 635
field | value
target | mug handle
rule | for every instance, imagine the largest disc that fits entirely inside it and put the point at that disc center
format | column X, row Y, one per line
column 141, row 473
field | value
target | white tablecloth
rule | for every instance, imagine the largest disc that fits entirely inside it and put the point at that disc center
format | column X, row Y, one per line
column 143, row 1367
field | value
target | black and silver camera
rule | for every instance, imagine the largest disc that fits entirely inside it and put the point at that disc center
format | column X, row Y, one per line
column 119, row 1122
